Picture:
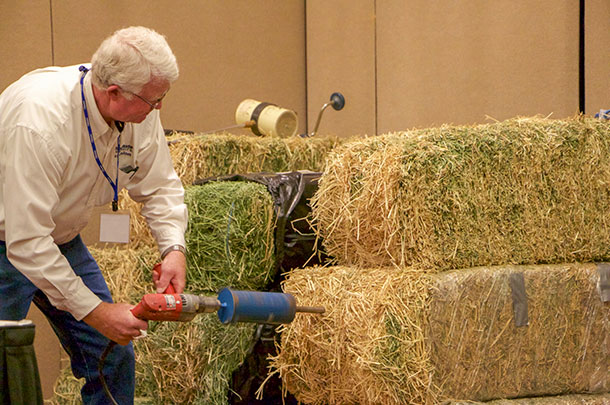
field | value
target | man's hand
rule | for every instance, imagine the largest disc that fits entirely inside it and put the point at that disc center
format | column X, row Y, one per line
column 116, row 322
column 174, row 272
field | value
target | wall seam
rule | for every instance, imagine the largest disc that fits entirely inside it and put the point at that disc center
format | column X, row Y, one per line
column 581, row 58
column 52, row 33
column 305, row 63
column 376, row 67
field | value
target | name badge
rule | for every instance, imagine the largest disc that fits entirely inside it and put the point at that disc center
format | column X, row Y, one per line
column 114, row 227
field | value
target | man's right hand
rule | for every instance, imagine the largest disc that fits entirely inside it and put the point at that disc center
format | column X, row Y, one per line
column 116, row 322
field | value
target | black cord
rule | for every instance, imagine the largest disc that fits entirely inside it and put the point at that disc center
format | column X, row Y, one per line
column 100, row 368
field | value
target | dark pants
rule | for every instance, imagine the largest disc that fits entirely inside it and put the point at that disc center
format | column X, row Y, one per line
column 83, row 344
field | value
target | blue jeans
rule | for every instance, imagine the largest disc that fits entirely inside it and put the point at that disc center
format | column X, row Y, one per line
column 83, row 343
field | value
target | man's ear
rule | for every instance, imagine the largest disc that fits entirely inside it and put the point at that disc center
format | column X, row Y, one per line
column 113, row 91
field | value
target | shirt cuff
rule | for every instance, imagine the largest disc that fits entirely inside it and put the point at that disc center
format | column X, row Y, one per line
column 87, row 302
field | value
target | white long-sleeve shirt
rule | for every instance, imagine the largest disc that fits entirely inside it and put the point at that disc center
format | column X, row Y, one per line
column 50, row 181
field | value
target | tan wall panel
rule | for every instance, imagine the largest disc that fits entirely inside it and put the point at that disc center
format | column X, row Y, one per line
column 48, row 351
column 597, row 56
column 227, row 51
column 341, row 57
column 25, row 29
column 461, row 61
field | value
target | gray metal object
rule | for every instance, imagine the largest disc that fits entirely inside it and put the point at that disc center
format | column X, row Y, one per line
column 517, row 288
column 337, row 101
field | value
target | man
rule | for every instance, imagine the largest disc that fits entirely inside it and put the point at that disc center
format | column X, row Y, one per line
column 70, row 139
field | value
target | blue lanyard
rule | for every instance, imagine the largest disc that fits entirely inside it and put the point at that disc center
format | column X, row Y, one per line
column 113, row 184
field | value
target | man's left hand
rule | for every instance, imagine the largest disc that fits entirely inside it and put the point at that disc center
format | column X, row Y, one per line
column 174, row 272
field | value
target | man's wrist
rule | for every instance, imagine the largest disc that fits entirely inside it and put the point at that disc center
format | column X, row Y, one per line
column 173, row 248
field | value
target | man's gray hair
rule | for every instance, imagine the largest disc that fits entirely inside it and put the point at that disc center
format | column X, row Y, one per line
column 132, row 57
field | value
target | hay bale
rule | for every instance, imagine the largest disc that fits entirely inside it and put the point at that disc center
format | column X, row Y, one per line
column 140, row 236
column 190, row 363
column 127, row 272
column 230, row 237
column 178, row 363
column 564, row 348
column 207, row 155
column 408, row 336
column 522, row 191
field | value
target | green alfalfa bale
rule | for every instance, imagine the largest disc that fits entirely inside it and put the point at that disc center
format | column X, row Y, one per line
column 199, row 156
column 230, row 237
column 526, row 190
column 406, row 336
column 190, row 363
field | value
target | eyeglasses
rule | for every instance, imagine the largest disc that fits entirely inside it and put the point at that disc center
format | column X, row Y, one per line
column 154, row 105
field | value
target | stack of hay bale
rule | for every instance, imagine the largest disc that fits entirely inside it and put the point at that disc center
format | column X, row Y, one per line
column 230, row 242
column 468, row 268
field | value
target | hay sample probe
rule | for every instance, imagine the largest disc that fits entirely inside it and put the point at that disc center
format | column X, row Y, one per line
column 232, row 306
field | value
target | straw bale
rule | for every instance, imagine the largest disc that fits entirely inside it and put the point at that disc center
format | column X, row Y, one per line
column 230, row 237
column 409, row 336
column 522, row 191
column 127, row 272
column 369, row 346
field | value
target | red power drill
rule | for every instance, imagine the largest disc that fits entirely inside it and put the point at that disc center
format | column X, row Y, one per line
column 170, row 306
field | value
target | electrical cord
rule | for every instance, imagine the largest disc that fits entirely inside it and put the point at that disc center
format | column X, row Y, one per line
column 100, row 368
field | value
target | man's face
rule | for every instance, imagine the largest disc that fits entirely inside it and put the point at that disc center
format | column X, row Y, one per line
column 131, row 107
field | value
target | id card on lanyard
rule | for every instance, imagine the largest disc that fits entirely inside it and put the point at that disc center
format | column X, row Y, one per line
column 113, row 225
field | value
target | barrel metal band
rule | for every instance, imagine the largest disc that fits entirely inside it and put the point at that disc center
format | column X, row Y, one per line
column 255, row 114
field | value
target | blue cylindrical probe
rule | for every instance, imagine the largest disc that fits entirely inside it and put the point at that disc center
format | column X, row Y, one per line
column 259, row 307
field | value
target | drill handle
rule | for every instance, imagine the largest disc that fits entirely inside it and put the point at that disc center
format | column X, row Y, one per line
column 170, row 288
